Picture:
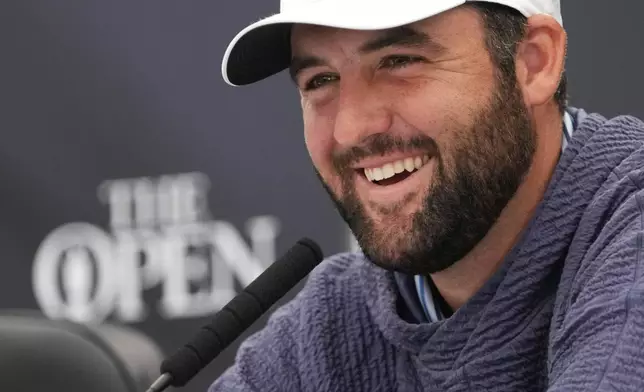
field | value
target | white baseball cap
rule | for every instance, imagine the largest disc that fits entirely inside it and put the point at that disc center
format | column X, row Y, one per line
column 263, row 48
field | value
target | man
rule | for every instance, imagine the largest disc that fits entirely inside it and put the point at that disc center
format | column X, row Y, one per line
column 502, row 231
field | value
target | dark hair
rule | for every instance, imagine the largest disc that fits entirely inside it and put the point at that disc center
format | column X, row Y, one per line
column 504, row 29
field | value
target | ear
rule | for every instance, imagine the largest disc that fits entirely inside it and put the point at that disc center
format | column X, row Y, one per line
column 540, row 59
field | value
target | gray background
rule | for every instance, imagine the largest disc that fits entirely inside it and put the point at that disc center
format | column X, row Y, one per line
column 92, row 90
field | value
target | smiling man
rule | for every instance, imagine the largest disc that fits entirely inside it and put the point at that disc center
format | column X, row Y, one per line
column 501, row 230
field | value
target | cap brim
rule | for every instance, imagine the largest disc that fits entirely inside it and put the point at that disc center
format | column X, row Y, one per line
column 264, row 48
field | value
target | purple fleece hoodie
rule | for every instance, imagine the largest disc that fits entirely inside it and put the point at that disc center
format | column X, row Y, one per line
column 565, row 311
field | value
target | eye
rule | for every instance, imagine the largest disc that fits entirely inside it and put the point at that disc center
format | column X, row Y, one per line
column 319, row 80
column 399, row 61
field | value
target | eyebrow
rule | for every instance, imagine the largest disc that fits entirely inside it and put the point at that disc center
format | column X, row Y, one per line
column 400, row 37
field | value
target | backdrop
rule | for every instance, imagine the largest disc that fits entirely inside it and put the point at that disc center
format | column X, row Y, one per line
column 137, row 187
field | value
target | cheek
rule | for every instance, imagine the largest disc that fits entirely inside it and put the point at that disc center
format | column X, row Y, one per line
column 431, row 111
column 441, row 109
column 318, row 136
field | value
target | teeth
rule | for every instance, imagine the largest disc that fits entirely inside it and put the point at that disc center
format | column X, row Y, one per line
column 391, row 169
column 388, row 171
column 377, row 174
column 409, row 165
column 369, row 174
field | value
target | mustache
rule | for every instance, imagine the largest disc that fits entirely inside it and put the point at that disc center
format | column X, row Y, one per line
column 381, row 144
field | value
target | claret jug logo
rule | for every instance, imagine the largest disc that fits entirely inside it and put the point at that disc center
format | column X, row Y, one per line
column 161, row 236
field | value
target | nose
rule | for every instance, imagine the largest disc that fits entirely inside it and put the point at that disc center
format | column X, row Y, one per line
column 361, row 112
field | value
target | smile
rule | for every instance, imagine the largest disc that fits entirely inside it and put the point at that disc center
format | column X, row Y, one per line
column 395, row 171
column 386, row 180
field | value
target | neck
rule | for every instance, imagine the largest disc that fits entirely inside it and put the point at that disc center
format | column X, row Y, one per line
column 462, row 280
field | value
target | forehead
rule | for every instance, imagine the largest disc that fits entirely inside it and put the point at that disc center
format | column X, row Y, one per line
column 461, row 23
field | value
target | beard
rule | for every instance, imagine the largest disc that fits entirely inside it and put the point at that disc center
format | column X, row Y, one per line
column 469, row 188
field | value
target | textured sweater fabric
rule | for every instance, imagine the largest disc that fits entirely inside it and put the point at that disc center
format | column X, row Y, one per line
column 564, row 312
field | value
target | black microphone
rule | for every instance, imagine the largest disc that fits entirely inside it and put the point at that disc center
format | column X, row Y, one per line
column 239, row 314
